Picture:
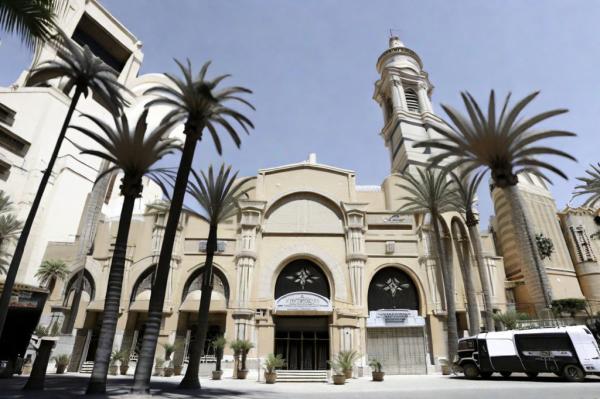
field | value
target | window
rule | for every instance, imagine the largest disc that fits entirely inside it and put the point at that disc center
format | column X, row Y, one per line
column 7, row 115
column 4, row 170
column 412, row 101
column 12, row 142
column 221, row 245
column 101, row 43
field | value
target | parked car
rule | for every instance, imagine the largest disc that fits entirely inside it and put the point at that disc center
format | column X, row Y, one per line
column 570, row 352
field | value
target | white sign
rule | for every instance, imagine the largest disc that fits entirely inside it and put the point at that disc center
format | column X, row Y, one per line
column 395, row 318
column 303, row 301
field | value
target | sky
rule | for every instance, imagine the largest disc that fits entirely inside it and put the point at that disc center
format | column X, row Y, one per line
column 311, row 65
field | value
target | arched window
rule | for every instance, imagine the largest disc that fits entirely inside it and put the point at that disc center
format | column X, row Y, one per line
column 302, row 275
column 412, row 100
column 143, row 283
column 194, row 283
column 391, row 288
column 88, row 287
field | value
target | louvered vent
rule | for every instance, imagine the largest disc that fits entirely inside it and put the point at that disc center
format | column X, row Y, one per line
column 412, row 101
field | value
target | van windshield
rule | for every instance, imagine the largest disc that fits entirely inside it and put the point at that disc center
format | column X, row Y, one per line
column 466, row 345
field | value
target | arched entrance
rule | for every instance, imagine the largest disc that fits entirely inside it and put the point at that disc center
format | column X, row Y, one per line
column 395, row 330
column 302, row 316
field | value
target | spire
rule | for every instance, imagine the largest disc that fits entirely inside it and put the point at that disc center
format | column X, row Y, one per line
column 395, row 42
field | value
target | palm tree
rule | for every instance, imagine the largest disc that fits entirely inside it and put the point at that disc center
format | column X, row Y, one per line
column 84, row 72
column 465, row 200
column 134, row 151
column 10, row 226
column 33, row 20
column 506, row 146
column 197, row 104
column 50, row 272
column 590, row 186
column 217, row 195
column 430, row 191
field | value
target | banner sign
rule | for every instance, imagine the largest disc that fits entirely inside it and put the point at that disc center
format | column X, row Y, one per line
column 302, row 301
column 395, row 318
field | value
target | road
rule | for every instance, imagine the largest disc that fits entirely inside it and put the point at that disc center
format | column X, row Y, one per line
column 410, row 387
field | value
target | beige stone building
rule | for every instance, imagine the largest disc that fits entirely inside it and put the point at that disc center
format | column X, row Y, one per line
column 312, row 264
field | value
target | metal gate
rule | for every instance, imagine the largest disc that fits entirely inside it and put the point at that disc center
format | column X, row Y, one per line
column 401, row 350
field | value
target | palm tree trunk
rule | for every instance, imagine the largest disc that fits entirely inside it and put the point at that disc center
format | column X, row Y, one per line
column 461, row 245
column 20, row 248
column 483, row 276
column 448, row 277
column 92, row 210
column 143, row 370
column 112, row 301
column 533, row 270
column 190, row 380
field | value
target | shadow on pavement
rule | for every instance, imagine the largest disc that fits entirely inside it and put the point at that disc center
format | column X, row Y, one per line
column 522, row 377
column 68, row 386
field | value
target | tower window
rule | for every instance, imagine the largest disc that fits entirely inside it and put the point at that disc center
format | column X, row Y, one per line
column 412, row 101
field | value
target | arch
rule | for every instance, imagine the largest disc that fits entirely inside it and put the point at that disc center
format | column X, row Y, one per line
column 143, row 285
column 194, row 283
column 393, row 287
column 330, row 266
column 88, row 286
column 303, row 212
column 302, row 274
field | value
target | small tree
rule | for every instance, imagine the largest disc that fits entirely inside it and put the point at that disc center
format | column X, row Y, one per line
column 245, row 347
column 169, row 349
column 568, row 305
column 219, row 344
column 510, row 318
column 273, row 362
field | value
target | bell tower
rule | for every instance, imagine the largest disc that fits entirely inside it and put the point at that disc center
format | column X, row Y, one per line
column 403, row 93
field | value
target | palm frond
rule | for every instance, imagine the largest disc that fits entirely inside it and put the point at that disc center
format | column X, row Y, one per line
column 34, row 21
column 52, row 269
column 428, row 191
column 197, row 103
column 505, row 144
column 590, row 186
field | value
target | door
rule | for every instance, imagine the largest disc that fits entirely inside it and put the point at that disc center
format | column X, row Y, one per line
column 302, row 342
column 400, row 350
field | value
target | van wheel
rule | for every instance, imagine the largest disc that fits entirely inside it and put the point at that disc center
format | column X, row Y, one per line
column 532, row 374
column 470, row 371
column 573, row 373
column 505, row 374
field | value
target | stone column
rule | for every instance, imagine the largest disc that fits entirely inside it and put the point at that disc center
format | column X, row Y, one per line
column 424, row 102
column 398, row 96
column 356, row 255
column 245, row 260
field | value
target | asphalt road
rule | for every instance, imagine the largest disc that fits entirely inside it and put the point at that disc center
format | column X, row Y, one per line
column 410, row 387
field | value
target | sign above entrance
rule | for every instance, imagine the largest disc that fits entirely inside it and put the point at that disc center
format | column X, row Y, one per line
column 302, row 301
column 395, row 318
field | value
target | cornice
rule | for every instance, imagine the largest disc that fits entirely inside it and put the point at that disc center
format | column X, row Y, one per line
column 399, row 51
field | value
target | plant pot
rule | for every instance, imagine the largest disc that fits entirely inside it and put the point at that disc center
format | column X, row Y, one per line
column 113, row 369
column 339, row 379
column 60, row 368
column 158, row 371
column 270, row 378
column 169, row 371
column 377, row 375
column 348, row 373
column 217, row 374
column 123, row 369
column 177, row 370
column 242, row 374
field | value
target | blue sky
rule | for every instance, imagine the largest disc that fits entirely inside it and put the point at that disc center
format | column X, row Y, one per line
column 311, row 64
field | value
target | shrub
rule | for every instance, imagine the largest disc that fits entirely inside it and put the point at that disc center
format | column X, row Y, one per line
column 273, row 362
column 375, row 365
column 509, row 319
column 62, row 360
column 568, row 305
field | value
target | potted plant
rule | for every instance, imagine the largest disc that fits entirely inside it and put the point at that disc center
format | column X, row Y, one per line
column 124, row 367
column 62, row 361
column 338, row 376
column 346, row 361
column 169, row 349
column 27, row 366
column 237, row 350
column 245, row 348
column 271, row 363
column 218, row 344
column 115, row 356
column 376, row 370
column 158, row 366
column 177, row 367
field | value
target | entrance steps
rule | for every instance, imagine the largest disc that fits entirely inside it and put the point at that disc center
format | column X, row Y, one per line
column 302, row 376
column 87, row 367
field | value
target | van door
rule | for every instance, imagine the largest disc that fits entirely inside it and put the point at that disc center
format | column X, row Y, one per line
column 503, row 354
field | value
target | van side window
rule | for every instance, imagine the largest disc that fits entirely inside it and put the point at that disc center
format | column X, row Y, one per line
column 544, row 345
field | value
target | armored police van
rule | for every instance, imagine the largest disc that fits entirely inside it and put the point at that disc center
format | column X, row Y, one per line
column 569, row 352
